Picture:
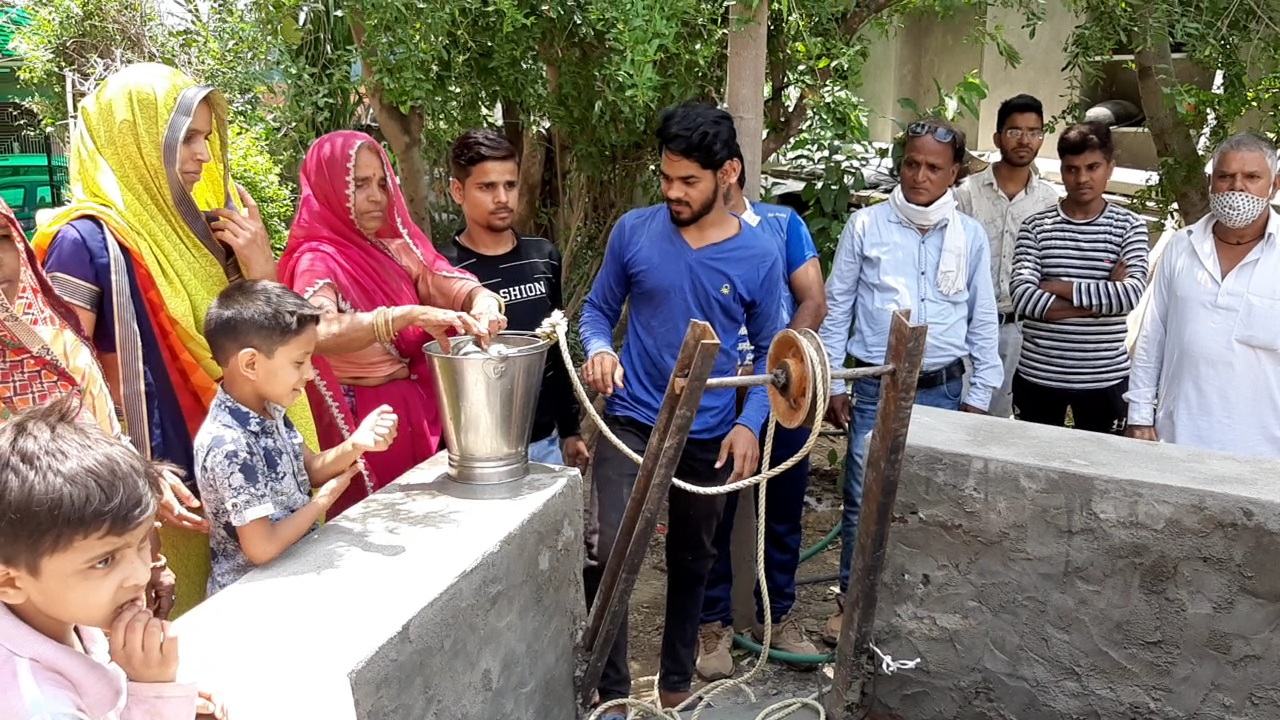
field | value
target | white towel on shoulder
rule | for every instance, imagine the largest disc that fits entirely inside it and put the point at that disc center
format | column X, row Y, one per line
column 953, row 267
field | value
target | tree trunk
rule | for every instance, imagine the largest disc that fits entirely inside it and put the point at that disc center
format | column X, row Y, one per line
column 403, row 131
column 533, row 160
column 786, row 121
column 1175, row 142
column 744, row 91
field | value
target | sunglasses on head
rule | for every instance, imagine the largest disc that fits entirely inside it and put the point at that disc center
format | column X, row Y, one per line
column 941, row 134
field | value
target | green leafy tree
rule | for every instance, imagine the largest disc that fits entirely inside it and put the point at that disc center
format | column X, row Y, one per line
column 219, row 42
column 1236, row 41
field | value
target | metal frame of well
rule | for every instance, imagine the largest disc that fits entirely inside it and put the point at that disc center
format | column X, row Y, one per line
column 884, row 460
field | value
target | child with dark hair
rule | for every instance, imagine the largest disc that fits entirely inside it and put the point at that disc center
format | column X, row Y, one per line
column 76, row 513
column 254, row 472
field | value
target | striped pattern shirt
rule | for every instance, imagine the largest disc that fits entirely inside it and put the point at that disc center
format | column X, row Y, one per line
column 1078, row 353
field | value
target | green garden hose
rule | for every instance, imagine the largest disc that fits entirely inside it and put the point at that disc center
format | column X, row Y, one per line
column 744, row 641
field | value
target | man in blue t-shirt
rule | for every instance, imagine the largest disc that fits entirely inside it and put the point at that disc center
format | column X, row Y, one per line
column 687, row 259
column 805, row 307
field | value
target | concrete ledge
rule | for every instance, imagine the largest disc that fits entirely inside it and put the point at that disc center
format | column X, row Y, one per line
column 428, row 600
column 1043, row 573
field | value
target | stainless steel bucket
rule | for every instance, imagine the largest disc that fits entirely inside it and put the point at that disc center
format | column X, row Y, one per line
column 488, row 404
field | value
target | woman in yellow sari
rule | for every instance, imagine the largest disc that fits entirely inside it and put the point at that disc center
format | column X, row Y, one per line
column 155, row 231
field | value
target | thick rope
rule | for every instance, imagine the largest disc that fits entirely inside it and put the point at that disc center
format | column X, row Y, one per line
column 557, row 326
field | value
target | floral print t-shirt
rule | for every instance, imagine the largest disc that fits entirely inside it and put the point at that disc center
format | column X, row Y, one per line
column 248, row 467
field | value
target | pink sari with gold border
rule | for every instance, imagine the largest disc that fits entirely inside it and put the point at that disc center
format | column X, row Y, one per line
column 327, row 250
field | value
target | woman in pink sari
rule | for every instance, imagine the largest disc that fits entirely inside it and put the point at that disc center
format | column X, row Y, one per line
column 353, row 250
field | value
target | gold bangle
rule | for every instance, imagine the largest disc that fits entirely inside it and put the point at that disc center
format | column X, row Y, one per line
column 383, row 329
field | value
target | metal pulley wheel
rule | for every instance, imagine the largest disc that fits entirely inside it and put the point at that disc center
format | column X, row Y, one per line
column 792, row 399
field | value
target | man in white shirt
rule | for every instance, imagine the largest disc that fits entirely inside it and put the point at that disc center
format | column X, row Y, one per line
column 1206, row 365
column 1001, row 198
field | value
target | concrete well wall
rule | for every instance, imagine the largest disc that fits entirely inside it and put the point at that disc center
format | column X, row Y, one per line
column 1045, row 574
column 428, row 600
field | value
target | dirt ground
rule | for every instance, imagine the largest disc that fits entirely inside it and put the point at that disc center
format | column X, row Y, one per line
column 814, row 602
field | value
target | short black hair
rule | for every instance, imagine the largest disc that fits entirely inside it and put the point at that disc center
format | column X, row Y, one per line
column 1080, row 139
column 479, row 146
column 62, row 481
column 1022, row 103
column 700, row 132
column 258, row 314
column 957, row 142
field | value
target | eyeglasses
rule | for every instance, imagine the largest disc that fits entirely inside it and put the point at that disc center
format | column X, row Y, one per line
column 941, row 134
column 1019, row 133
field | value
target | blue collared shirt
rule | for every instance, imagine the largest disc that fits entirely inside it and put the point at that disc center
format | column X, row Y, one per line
column 884, row 264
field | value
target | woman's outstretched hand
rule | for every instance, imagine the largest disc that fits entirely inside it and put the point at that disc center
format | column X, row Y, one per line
column 487, row 310
column 438, row 322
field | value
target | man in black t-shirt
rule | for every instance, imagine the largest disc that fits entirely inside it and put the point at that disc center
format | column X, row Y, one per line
column 525, row 271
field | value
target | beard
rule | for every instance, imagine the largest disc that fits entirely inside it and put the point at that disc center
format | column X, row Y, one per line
column 693, row 213
column 1013, row 160
column 496, row 223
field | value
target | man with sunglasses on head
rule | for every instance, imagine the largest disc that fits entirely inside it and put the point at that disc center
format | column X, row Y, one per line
column 1001, row 197
column 920, row 253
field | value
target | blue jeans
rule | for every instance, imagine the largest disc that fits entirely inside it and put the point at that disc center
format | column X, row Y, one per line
column 866, row 399
column 782, row 536
column 547, row 450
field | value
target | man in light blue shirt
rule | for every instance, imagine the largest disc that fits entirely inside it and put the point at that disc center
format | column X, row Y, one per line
column 916, row 252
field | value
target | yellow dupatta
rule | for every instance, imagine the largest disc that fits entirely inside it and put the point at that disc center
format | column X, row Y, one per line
column 123, row 160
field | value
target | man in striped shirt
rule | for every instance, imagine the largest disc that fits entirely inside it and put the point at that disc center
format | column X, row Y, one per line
column 1078, row 269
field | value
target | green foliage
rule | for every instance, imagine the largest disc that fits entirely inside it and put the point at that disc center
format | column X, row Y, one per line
column 219, row 42
column 585, row 79
column 1242, row 40
column 260, row 174
column 830, row 154
column 832, row 150
column 87, row 40
column 312, row 71
column 952, row 104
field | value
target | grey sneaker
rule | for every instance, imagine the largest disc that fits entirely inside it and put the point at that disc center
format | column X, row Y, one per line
column 715, row 659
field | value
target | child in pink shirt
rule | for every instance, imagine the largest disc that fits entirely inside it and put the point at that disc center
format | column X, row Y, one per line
column 76, row 513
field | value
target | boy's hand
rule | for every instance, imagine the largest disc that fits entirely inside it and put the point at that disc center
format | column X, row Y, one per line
column 144, row 647
column 328, row 493
column 377, row 432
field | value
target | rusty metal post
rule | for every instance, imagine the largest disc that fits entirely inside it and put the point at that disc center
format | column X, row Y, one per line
column 662, row 455
column 880, row 477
